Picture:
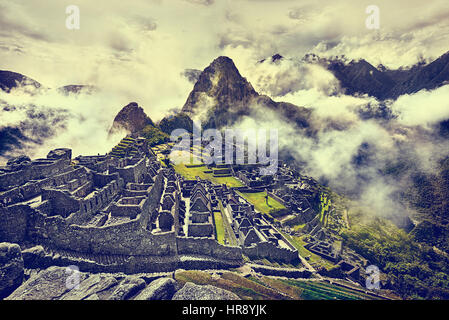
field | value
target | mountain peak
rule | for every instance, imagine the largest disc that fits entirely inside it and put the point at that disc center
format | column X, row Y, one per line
column 132, row 118
column 220, row 85
column 221, row 96
column 223, row 61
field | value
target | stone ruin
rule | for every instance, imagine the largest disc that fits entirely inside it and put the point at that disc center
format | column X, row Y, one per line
column 258, row 238
column 107, row 214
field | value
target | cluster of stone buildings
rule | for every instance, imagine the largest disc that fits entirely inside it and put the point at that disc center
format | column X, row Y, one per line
column 128, row 213
column 258, row 237
column 107, row 213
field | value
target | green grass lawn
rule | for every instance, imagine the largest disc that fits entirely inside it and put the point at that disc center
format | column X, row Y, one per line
column 229, row 233
column 192, row 172
column 259, row 202
column 299, row 244
column 219, row 228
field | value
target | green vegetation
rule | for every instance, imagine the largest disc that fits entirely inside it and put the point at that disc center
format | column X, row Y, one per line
column 244, row 288
column 267, row 288
column 317, row 290
column 229, row 233
column 219, row 229
column 273, row 209
column 414, row 270
column 178, row 121
column 154, row 135
column 124, row 148
column 314, row 259
column 191, row 172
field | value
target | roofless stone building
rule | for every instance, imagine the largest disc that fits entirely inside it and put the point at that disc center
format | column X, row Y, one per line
column 107, row 214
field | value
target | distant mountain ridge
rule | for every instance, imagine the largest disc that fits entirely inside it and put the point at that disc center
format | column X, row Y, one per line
column 363, row 78
column 10, row 80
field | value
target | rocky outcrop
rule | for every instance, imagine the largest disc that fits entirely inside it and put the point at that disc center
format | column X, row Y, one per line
column 131, row 118
column 60, row 283
column 128, row 288
column 220, row 95
column 191, row 291
column 60, row 153
column 77, row 89
column 94, row 287
column 49, row 284
column 11, row 268
column 160, row 289
column 220, row 80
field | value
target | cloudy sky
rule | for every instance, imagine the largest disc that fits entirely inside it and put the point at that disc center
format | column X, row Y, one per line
column 138, row 49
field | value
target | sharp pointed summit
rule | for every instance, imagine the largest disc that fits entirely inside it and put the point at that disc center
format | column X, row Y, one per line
column 220, row 85
column 222, row 95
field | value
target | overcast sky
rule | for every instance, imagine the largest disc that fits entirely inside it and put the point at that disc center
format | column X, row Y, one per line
column 139, row 48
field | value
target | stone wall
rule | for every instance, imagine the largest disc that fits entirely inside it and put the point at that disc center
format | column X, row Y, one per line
column 34, row 188
column 128, row 238
column 100, row 179
column 131, row 173
column 38, row 257
column 102, row 197
column 36, row 170
column 61, row 201
column 208, row 247
column 267, row 250
column 131, row 210
column 200, row 229
column 13, row 226
column 281, row 272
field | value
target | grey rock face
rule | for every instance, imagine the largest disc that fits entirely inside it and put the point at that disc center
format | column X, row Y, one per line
column 127, row 288
column 32, row 256
column 11, row 268
column 18, row 160
column 132, row 118
column 97, row 287
column 160, row 289
column 61, row 153
column 49, row 284
column 192, row 291
column 59, row 283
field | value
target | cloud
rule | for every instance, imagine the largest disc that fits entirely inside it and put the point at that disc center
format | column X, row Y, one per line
column 202, row 2
column 424, row 108
column 287, row 76
column 192, row 75
column 51, row 119
column 147, row 53
column 351, row 153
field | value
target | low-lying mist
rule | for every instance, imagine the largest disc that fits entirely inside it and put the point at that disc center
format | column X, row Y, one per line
column 359, row 146
column 35, row 123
